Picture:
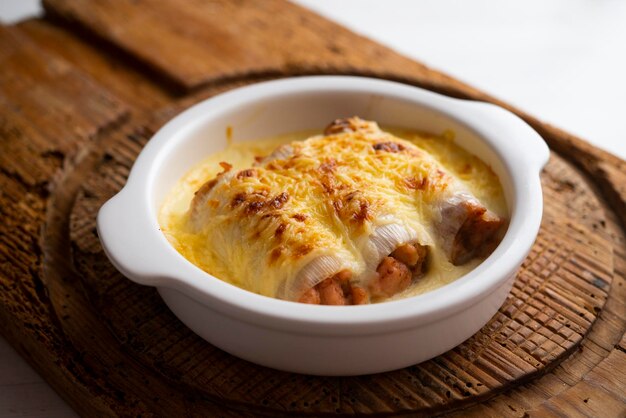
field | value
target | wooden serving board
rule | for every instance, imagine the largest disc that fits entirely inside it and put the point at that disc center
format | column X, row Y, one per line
column 84, row 88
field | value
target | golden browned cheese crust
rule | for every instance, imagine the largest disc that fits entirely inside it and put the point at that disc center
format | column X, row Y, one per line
column 343, row 201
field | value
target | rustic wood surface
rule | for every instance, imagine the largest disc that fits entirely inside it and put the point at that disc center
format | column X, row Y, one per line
column 81, row 92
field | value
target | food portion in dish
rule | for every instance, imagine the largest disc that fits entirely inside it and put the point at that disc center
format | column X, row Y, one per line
column 353, row 216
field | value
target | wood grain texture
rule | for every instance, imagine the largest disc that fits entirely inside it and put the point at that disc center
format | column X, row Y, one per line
column 218, row 42
column 42, row 132
column 81, row 94
column 100, row 63
column 40, row 96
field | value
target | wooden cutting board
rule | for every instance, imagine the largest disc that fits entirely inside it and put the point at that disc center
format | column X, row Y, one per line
column 84, row 88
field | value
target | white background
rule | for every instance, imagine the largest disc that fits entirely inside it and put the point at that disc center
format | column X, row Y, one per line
column 563, row 61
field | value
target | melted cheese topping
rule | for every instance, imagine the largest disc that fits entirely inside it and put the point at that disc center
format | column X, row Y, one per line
column 320, row 197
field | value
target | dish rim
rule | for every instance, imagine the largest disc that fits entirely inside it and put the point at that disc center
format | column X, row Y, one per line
column 522, row 159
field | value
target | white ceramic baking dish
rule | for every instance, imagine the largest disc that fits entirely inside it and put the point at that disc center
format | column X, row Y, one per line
column 324, row 340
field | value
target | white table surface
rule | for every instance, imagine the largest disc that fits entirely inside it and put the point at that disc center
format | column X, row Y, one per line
column 561, row 60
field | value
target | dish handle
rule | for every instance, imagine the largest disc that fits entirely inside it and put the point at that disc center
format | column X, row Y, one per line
column 130, row 241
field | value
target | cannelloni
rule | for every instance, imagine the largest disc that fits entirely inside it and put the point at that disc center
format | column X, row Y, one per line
column 352, row 216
